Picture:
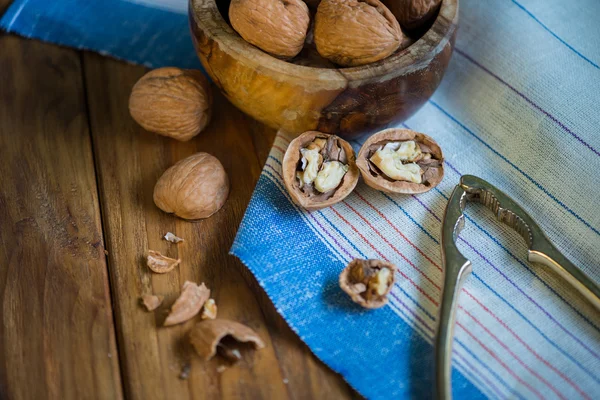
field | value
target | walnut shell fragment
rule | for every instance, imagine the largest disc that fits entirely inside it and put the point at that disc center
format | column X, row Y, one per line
column 188, row 304
column 319, row 170
column 194, row 188
column 368, row 282
column 172, row 102
column 275, row 26
column 206, row 335
column 159, row 263
column 356, row 32
column 170, row 237
column 412, row 14
column 401, row 161
column 152, row 302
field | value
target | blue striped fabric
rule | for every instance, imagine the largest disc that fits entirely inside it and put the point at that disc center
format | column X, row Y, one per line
column 519, row 107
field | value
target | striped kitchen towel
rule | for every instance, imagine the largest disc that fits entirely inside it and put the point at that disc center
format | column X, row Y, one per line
column 518, row 107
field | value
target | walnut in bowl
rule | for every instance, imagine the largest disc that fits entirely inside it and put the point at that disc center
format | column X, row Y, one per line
column 401, row 161
column 319, row 170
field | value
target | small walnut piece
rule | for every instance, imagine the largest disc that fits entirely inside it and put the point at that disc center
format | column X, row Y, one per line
column 152, row 302
column 356, row 32
column 401, row 161
column 368, row 282
column 172, row 102
column 159, row 263
column 209, row 311
column 189, row 303
column 412, row 14
column 319, row 170
column 172, row 238
column 207, row 335
column 276, row 26
column 194, row 188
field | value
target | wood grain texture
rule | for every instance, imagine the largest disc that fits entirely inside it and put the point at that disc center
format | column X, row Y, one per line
column 129, row 161
column 349, row 102
column 57, row 336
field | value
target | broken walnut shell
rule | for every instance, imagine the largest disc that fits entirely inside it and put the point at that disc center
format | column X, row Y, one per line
column 356, row 32
column 152, row 302
column 188, row 304
column 412, row 14
column 194, row 188
column 159, row 263
column 206, row 335
column 368, row 282
column 275, row 26
column 333, row 150
column 172, row 102
column 432, row 167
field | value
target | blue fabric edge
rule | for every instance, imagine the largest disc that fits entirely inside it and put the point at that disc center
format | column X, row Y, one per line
column 416, row 375
column 79, row 28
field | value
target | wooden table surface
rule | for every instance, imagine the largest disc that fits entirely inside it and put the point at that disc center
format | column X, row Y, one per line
column 76, row 219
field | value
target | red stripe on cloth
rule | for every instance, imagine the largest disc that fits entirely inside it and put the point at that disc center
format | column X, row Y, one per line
column 532, row 351
column 437, row 286
column 505, row 347
column 420, row 289
column 495, row 357
column 398, row 231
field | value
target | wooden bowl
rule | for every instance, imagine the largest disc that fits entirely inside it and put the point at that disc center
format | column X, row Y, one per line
column 349, row 102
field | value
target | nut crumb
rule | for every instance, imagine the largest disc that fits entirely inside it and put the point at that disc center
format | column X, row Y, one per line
column 152, row 302
column 285, row 381
column 185, row 371
column 368, row 282
column 172, row 238
column 105, row 251
column 188, row 304
column 221, row 368
column 161, row 264
column 209, row 311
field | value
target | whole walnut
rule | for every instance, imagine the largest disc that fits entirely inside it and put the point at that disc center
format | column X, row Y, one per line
column 276, row 26
column 196, row 187
column 356, row 32
column 172, row 102
column 412, row 13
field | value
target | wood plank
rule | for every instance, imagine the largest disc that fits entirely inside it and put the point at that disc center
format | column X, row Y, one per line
column 129, row 162
column 57, row 337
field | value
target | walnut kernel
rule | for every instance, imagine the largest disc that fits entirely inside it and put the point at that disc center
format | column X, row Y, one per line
column 319, row 170
column 368, row 282
column 209, row 311
column 401, row 161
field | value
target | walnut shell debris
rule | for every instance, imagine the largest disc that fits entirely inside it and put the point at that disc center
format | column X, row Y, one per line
column 331, row 163
column 356, row 32
column 170, row 237
column 172, row 102
column 276, row 26
column 412, row 14
column 196, row 187
column 188, row 304
column 368, row 282
column 152, row 302
column 425, row 164
column 206, row 335
column 159, row 263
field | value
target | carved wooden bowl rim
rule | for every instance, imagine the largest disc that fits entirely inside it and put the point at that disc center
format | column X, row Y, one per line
column 207, row 17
